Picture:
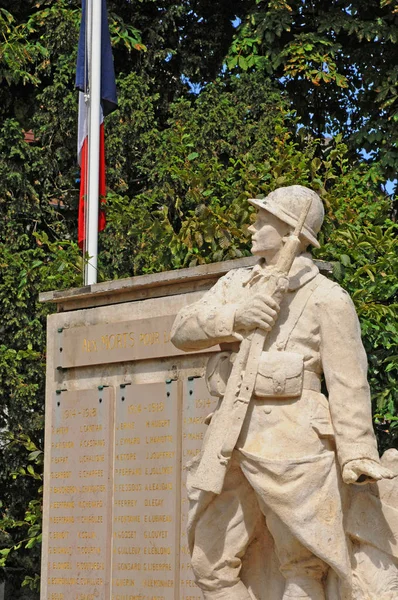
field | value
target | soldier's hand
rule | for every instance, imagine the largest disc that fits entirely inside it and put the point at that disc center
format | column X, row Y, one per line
column 365, row 470
column 259, row 311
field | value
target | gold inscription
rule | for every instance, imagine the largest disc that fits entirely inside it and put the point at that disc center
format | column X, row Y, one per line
column 158, row 423
column 148, row 339
column 87, row 535
column 62, row 505
column 159, row 455
column 154, row 487
column 153, row 501
column 157, row 519
column 155, row 535
column 158, row 439
column 128, row 456
column 93, row 458
column 128, row 472
column 91, row 443
column 92, row 473
column 158, row 471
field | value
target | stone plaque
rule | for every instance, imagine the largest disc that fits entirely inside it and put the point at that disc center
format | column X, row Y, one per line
column 197, row 405
column 116, row 342
column 146, row 492
column 78, row 553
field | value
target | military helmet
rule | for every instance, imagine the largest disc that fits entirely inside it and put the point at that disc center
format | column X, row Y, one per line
column 286, row 203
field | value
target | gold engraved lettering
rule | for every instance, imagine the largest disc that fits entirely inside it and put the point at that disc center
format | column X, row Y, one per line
column 124, row 582
column 66, row 566
column 153, row 487
column 58, row 445
column 92, row 473
column 89, row 345
column 131, row 441
column 57, row 596
column 90, row 566
column 92, row 489
column 88, row 550
column 158, row 439
column 88, row 412
column 128, row 425
column 91, row 443
column 166, row 337
column 60, row 550
column 148, row 339
column 157, row 567
column 158, row 455
column 159, row 423
column 92, row 458
column 193, row 436
column 61, row 474
column 128, row 472
column 87, row 535
column 128, row 487
column 62, row 505
column 59, row 535
column 124, row 535
column 156, row 407
column 127, row 519
column 155, row 535
column 194, row 420
column 75, row 581
column 128, row 502
column 158, row 583
column 157, row 519
column 128, row 566
column 158, row 471
column 127, row 550
column 62, row 519
column 134, row 408
column 59, row 430
column 128, row 456
column 205, row 403
column 90, row 504
column 64, row 489
column 89, row 519
column 90, row 428
column 153, row 501
column 59, row 459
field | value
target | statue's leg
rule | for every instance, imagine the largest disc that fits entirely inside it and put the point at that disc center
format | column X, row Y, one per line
column 220, row 538
column 304, row 572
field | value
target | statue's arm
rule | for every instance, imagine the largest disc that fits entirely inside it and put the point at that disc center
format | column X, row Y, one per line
column 344, row 365
column 208, row 322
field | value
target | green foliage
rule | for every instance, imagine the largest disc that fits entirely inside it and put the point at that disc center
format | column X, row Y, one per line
column 337, row 60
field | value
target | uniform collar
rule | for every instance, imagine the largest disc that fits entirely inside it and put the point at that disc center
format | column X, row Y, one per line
column 303, row 270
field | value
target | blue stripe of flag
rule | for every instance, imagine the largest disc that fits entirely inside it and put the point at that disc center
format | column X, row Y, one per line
column 108, row 81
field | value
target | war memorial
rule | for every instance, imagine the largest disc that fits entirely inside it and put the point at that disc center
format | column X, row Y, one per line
column 252, row 373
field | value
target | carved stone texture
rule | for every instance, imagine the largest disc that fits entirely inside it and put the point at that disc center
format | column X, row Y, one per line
column 272, row 508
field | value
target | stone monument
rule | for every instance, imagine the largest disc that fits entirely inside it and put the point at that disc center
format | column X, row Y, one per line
column 288, row 498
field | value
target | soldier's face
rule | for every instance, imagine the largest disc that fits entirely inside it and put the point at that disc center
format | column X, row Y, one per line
column 267, row 233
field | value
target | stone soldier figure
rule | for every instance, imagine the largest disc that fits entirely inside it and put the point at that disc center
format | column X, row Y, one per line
column 297, row 449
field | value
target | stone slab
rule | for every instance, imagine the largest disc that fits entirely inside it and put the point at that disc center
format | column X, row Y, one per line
column 75, row 547
column 108, row 343
column 146, row 491
column 197, row 405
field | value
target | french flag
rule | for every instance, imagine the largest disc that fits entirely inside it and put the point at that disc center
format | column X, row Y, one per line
column 108, row 105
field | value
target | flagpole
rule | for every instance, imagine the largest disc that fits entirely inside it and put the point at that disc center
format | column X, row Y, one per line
column 94, row 115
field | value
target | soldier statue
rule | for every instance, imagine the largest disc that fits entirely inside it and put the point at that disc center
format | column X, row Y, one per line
column 294, row 451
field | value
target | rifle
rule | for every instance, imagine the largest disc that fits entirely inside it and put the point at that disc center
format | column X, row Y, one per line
column 226, row 424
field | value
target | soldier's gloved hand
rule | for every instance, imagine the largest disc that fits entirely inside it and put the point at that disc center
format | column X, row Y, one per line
column 365, row 470
column 259, row 311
